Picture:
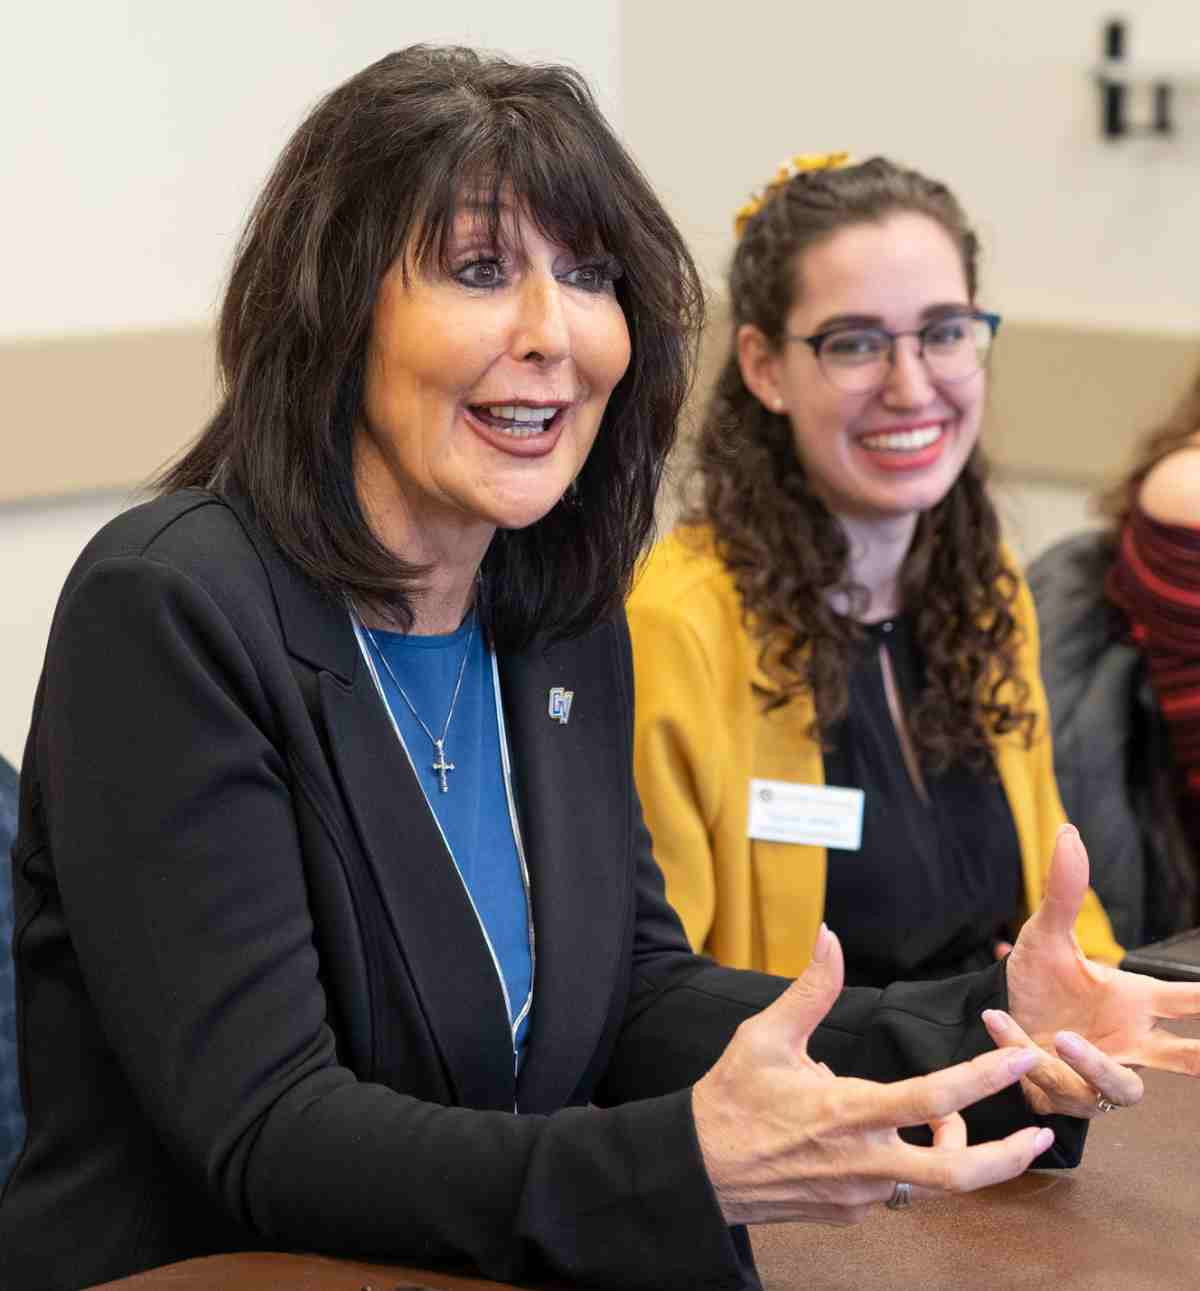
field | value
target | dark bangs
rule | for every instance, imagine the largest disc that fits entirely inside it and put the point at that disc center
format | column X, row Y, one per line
column 507, row 162
column 377, row 174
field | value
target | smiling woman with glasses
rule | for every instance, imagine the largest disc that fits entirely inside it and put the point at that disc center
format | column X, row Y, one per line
column 839, row 711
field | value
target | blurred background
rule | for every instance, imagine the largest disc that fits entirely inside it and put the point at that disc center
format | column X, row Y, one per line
column 139, row 134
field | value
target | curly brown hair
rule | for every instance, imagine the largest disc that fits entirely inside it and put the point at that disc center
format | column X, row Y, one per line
column 787, row 553
column 1160, row 442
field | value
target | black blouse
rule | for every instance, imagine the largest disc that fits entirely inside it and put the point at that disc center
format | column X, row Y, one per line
column 935, row 883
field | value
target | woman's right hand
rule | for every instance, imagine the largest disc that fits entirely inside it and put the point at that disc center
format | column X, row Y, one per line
column 785, row 1139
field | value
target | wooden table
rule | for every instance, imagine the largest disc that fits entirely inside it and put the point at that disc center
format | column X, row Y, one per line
column 1127, row 1220
column 265, row 1271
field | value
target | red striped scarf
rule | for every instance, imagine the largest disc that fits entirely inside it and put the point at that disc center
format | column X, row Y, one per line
column 1155, row 579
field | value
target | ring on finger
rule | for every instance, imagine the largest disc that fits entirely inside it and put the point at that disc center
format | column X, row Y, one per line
column 901, row 1197
column 1103, row 1105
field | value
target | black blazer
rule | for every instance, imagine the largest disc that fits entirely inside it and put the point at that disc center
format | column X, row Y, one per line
column 254, row 1005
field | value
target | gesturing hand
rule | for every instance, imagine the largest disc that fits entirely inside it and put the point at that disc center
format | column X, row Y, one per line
column 1091, row 1022
column 785, row 1139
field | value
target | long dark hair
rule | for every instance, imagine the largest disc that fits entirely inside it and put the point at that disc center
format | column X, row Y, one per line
column 372, row 174
column 787, row 552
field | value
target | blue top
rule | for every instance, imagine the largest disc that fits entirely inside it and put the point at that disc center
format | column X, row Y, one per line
column 474, row 812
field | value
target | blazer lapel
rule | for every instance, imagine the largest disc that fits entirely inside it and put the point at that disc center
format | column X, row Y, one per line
column 436, row 931
column 573, row 791
column 435, row 926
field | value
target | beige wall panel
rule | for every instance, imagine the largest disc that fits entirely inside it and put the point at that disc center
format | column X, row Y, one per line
column 101, row 412
column 105, row 412
column 1070, row 403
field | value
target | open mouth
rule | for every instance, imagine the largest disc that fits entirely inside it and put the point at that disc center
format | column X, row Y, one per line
column 519, row 421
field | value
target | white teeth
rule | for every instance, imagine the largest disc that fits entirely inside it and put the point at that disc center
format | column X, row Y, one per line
column 903, row 441
column 523, row 420
column 517, row 431
column 519, row 412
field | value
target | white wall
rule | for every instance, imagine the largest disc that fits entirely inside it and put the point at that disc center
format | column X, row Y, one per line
column 1036, row 513
column 993, row 97
column 137, row 135
column 139, row 132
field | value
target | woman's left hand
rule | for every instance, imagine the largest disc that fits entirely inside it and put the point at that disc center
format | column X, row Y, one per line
column 1093, row 1023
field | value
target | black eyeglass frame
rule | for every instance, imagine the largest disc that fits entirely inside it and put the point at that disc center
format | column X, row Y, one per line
column 818, row 339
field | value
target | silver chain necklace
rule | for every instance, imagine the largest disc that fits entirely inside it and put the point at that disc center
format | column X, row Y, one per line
column 440, row 765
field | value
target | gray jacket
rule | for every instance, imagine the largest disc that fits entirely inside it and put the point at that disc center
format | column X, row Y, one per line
column 1111, row 755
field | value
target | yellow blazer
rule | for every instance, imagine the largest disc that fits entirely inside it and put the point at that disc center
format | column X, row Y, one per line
column 701, row 735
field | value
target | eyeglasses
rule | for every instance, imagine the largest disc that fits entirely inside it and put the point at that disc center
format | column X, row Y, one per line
column 859, row 359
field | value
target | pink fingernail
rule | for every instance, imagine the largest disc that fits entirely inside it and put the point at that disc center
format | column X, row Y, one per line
column 1069, row 1042
column 1044, row 1140
column 822, row 946
column 995, row 1018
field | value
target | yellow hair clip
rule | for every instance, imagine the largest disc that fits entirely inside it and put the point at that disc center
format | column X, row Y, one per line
column 801, row 163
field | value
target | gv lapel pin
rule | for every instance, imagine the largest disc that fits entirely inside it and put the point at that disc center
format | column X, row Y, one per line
column 559, row 706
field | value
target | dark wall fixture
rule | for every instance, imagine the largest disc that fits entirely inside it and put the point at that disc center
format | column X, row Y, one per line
column 1134, row 99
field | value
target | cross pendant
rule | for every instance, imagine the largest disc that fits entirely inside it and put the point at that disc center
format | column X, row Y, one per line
column 441, row 766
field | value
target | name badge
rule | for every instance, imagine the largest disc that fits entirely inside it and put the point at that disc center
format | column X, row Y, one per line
column 817, row 814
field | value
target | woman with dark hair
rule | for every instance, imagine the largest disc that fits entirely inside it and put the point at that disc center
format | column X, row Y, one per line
column 1121, row 661
column 839, row 713
column 338, row 928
